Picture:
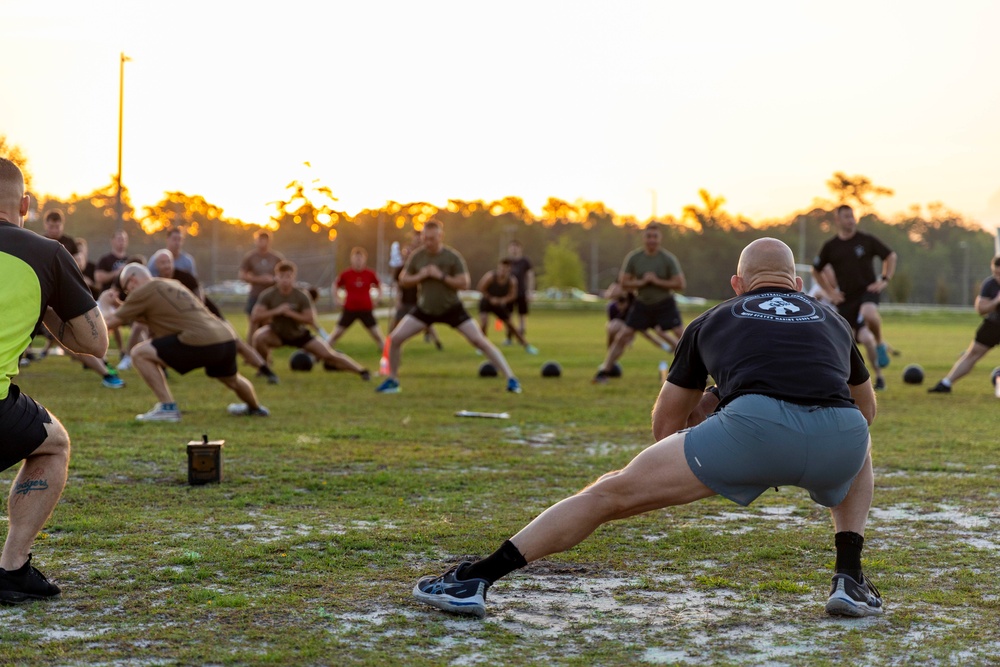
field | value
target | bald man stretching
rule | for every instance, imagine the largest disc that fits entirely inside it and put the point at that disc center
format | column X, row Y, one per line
column 795, row 405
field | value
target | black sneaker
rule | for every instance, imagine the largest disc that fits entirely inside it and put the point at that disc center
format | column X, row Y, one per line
column 879, row 384
column 849, row 598
column 601, row 377
column 939, row 388
column 366, row 375
column 24, row 584
column 448, row 592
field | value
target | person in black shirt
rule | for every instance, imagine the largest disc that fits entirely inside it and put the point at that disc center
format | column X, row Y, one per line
column 54, row 224
column 110, row 264
column 499, row 292
column 796, row 403
column 854, row 290
column 523, row 271
column 42, row 286
column 987, row 335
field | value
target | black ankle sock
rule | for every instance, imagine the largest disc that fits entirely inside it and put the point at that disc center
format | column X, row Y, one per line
column 502, row 562
column 849, row 547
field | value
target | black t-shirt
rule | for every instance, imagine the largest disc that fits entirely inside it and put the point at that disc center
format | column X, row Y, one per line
column 111, row 263
column 775, row 342
column 852, row 261
column 989, row 290
column 37, row 273
column 407, row 295
column 519, row 269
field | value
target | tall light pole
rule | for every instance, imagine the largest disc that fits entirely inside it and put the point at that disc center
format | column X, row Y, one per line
column 121, row 107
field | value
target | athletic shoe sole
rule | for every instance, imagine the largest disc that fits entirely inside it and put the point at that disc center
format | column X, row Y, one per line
column 844, row 605
column 474, row 606
column 17, row 597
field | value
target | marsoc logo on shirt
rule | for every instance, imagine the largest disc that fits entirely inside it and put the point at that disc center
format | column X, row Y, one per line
column 779, row 307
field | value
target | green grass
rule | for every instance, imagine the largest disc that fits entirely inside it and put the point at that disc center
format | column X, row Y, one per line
column 328, row 511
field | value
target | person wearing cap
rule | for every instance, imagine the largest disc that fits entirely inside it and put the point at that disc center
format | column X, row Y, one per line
column 42, row 287
column 184, row 336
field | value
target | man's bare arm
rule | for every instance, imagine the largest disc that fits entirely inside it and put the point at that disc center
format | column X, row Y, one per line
column 864, row 397
column 673, row 408
column 85, row 334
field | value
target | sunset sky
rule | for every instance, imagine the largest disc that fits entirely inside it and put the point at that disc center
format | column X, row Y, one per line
column 636, row 104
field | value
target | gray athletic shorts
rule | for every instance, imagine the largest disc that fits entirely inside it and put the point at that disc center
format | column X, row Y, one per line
column 757, row 442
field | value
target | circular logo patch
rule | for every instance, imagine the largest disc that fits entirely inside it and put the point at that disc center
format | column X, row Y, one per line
column 779, row 306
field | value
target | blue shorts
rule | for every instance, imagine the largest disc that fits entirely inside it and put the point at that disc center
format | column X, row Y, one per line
column 757, row 442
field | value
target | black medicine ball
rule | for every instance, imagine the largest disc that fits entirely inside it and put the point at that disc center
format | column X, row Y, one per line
column 301, row 361
column 487, row 370
column 551, row 369
column 913, row 374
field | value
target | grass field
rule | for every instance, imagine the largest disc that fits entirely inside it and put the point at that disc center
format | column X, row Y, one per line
column 305, row 554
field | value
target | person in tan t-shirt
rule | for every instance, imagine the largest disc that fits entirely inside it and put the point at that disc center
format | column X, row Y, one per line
column 185, row 336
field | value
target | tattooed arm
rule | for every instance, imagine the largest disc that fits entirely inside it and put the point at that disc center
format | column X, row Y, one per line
column 86, row 334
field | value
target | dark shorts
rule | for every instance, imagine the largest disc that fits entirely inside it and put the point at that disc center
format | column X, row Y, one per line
column 218, row 360
column 22, row 422
column 404, row 309
column 251, row 302
column 988, row 333
column 348, row 317
column 757, row 442
column 501, row 312
column 521, row 305
column 663, row 314
column 453, row 317
column 850, row 309
column 298, row 341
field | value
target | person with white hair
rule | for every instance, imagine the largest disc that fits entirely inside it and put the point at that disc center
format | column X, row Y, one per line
column 185, row 336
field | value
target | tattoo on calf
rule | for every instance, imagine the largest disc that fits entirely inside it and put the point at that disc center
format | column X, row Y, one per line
column 33, row 481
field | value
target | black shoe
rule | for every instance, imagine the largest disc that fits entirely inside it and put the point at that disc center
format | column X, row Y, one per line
column 939, row 388
column 24, row 584
column 849, row 598
column 601, row 377
column 449, row 593
column 879, row 384
column 366, row 376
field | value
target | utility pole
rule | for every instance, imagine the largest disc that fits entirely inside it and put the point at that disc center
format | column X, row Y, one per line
column 121, row 108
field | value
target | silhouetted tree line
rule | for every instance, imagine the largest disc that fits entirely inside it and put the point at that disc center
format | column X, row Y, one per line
column 942, row 258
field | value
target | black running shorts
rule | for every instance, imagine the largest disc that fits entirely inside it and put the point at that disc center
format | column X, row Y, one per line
column 218, row 360
column 22, row 422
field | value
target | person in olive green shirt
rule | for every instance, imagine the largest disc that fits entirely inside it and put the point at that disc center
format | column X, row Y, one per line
column 440, row 271
column 653, row 274
column 283, row 314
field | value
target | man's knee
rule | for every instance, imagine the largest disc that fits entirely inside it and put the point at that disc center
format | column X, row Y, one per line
column 56, row 441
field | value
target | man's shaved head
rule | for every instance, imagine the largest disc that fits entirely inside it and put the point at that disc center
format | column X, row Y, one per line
column 767, row 262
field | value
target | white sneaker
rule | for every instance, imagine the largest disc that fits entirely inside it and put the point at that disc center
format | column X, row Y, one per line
column 243, row 410
column 160, row 414
column 125, row 364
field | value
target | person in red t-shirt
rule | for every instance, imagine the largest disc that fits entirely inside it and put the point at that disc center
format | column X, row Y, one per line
column 357, row 282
